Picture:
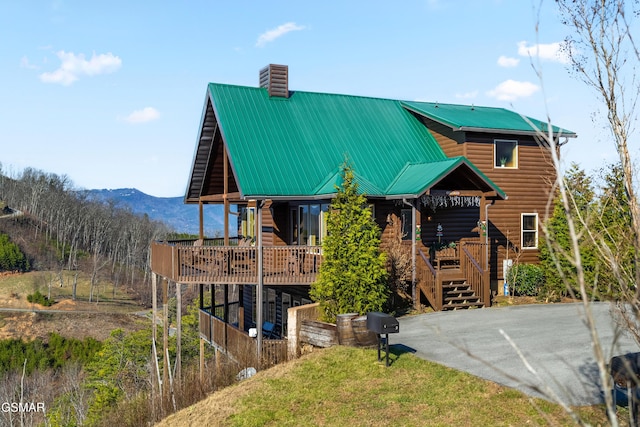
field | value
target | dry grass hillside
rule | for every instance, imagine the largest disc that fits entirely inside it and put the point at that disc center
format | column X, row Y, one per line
column 73, row 319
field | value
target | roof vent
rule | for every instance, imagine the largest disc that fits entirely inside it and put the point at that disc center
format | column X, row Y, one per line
column 276, row 79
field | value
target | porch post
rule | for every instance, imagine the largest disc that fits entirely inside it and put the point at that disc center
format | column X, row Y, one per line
column 259, row 290
column 154, row 306
column 165, row 334
column 484, row 216
column 179, row 333
column 225, row 193
column 414, row 225
column 201, row 219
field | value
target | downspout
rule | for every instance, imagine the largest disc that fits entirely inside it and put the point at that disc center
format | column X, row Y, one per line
column 413, row 248
column 486, row 235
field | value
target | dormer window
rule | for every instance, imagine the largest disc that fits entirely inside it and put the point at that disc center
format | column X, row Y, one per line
column 505, row 153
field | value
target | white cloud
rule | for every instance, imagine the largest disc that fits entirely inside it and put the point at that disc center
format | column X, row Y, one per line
column 505, row 61
column 548, row 52
column 73, row 66
column 510, row 90
column 467, row 95
column 275, row 33
column 145, row 115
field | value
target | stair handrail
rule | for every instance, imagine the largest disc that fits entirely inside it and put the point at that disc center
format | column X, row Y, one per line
column 483, row 289
column 426, row 261
column 473, row 260
column 430, row 285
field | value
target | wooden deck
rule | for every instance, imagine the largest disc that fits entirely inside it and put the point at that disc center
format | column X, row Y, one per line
column 186, row 262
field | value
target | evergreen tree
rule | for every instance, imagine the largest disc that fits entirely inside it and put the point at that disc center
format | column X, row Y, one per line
column 353, row 277
column 605, row 230
column 11, row 257
column 615, row 233
column 559, row 272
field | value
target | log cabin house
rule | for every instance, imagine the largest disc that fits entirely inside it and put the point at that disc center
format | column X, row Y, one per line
column 468, row 184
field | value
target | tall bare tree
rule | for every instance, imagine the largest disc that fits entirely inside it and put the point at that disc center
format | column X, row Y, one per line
column 603, row 54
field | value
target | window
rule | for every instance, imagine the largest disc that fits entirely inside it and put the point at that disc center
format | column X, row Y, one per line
column 505, row 153
column 529, row 231
column 248, row 222
column 309, row 224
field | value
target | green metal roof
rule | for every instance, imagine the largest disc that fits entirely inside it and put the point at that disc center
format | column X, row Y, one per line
column 295, row 146
column 485, row 119
column 416, row 178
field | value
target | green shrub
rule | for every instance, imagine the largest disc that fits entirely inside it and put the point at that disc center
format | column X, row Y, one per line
column 525, row 279
column 11, row 257
column 56, row 352
column 39, row 298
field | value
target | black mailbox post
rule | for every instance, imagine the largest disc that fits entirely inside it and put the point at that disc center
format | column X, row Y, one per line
column 382, row 323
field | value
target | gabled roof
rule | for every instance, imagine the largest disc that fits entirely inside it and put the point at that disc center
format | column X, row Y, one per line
column 482, row 119
column 294, row 147
column 428, row 175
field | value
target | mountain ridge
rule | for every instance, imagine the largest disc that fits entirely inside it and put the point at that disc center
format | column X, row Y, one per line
column 172, row 211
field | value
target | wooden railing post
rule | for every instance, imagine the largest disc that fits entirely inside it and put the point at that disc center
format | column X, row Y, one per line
column 438, row 293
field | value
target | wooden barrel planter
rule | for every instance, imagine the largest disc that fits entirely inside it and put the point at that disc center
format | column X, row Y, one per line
column 352, row 331
column 364, row 337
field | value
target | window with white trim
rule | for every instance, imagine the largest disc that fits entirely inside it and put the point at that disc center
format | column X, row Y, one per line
column 529, row 230
column 505, row 153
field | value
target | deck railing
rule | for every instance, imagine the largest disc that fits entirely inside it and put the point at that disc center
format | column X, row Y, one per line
column 238, row 345
column 182, row 262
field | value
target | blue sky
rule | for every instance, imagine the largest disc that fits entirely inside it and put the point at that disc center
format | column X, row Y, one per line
column 110, row 93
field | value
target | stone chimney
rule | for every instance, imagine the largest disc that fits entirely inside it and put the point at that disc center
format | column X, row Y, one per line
column 276, row 79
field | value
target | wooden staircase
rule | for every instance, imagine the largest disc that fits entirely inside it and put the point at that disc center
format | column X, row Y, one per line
column 457, row 294
column 465, row 285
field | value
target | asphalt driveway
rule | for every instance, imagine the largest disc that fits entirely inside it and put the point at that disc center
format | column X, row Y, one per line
column 552, row 338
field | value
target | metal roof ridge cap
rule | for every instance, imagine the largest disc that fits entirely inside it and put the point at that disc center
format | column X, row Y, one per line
column 366, row 181
column 324, row 181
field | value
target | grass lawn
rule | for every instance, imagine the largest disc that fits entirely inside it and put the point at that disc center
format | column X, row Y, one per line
column 344, row 386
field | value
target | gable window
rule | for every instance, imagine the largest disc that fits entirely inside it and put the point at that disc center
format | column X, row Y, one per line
column 505, row 153
column 529, row 231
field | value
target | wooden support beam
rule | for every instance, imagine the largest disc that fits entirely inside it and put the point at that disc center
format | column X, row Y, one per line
column 154, row 307
column 260, row 287
column 165, row 334
column 179, row 333
column 219, row 198
column 201, row 219
column 225, row 193
column 201, row 361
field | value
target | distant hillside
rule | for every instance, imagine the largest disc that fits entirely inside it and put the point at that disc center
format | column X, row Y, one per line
column 170, row 210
